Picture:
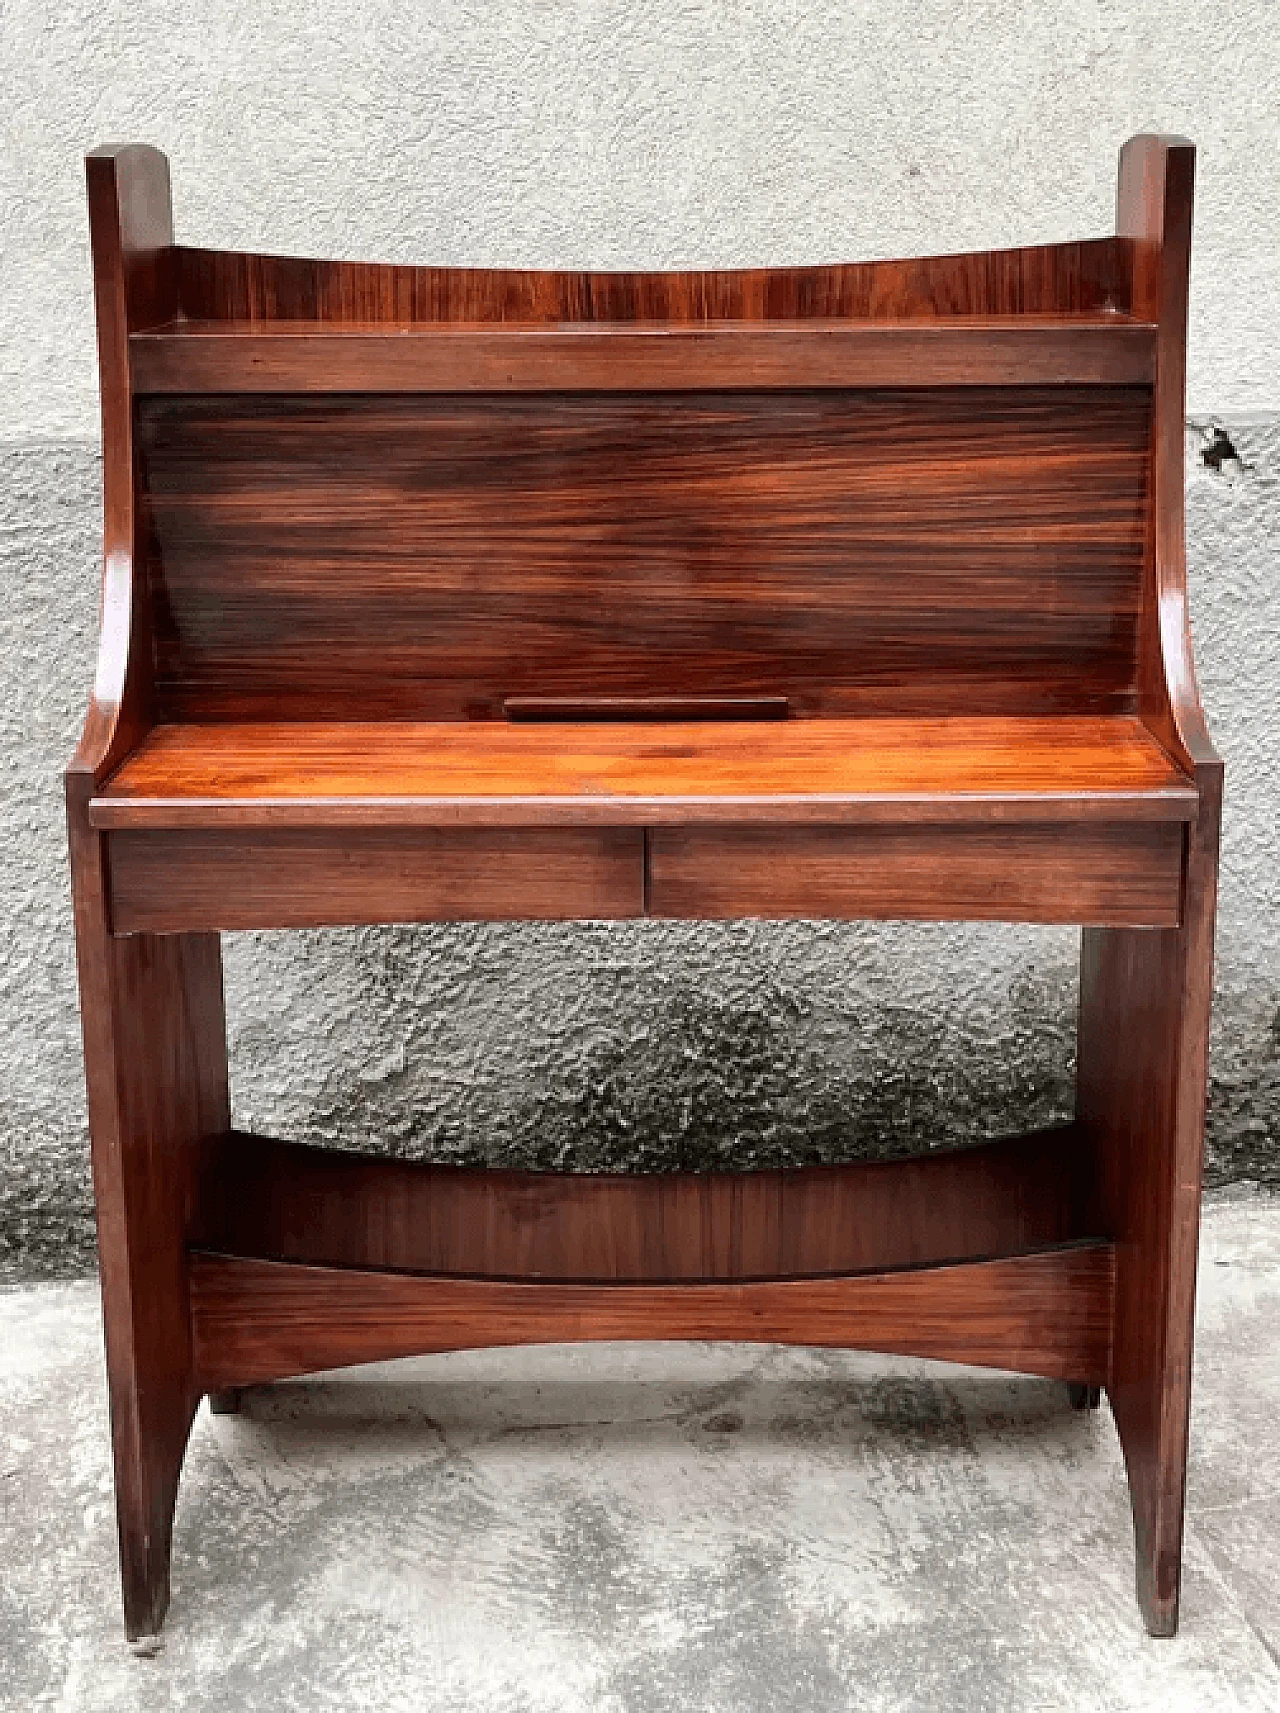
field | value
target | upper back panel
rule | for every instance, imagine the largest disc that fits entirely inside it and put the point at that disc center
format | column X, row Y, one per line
column 321, row 546
column 1081, row 279
column 976, row 549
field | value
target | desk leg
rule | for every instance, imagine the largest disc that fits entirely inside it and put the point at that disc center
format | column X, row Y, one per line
column 156, row 1069
column 1143, row 1051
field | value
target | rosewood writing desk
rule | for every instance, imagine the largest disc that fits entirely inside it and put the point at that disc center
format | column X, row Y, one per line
column 848, row 591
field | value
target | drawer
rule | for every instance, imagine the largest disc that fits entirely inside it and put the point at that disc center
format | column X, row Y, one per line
column 175, row 880
column 1106, row 875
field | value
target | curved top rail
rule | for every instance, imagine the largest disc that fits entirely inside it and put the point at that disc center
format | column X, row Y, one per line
column 1061, row 280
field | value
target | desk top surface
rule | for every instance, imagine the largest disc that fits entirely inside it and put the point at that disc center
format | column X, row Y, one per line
column 643, row 773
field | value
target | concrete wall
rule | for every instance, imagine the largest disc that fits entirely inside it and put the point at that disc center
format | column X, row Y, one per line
column 676, row 133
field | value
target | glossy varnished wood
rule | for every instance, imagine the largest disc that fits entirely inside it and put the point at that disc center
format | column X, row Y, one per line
column 302, row 357
column 131, row 226
column 941, row 551
column 229, row 878
column 1145, row 998
column 1076, row 279
column 444, row 593
column 396, row 773
column 999, row 873
column 1047, row 1314
column 152, row 1009
column 309, row 878
column 286, row 1202
column 1153, row 213
column 1075, row 820
column 156, row 1068
column 638, row 709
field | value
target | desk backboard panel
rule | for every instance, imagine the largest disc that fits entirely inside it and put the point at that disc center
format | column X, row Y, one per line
column 970, row 548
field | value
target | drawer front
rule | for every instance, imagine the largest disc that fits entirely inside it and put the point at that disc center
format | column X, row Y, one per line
column 1110, row 876
column 170, row 882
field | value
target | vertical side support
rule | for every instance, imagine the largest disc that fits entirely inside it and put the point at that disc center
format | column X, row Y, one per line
column 1145, row 995
column 156, row 1071
column 1144, row 1018
column 152, row 1008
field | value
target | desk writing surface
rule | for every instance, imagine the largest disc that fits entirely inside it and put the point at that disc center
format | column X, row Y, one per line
column 393, row 772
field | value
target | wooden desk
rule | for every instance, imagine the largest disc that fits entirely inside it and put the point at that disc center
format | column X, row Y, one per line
column 440, row 594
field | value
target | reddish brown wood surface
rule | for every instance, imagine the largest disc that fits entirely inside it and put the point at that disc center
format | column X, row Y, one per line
column 645, row 708
column 154, row 1034
column 295, row 878
column 285, row 1202
column 394, row 773
column 171, row 882
column 131, row 226
column 1144, row 999
column 1046, row 1314
column 1153, row 215
column 157, row 1080
column 944, row 551
column 1091, row 874
column 1143, row 1025
column 931, row 511
column 156, row 1069
column 1089, row 278
column 300, row 357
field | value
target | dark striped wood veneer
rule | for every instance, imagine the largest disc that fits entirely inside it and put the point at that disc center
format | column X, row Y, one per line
column 976, row 552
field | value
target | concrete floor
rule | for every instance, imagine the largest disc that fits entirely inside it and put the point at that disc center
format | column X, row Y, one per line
column 650, row 1528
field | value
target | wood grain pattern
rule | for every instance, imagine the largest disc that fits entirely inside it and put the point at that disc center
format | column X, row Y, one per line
column 1046, row 1314
column 307, row 878
column 1144, row 1001
column 397, row 530
column 152, row 1013
column 156, row 1069
column 299, row 357
column 1145, row 998
column 286, row 1202
column 390, row 773
column 942, row 551
column 131, row 227
column 1153, row 215
column 212, row 878
column 1087, row 278
column 1091, row 874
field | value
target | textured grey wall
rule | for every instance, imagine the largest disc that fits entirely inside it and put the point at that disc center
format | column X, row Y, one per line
column 610, row 134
